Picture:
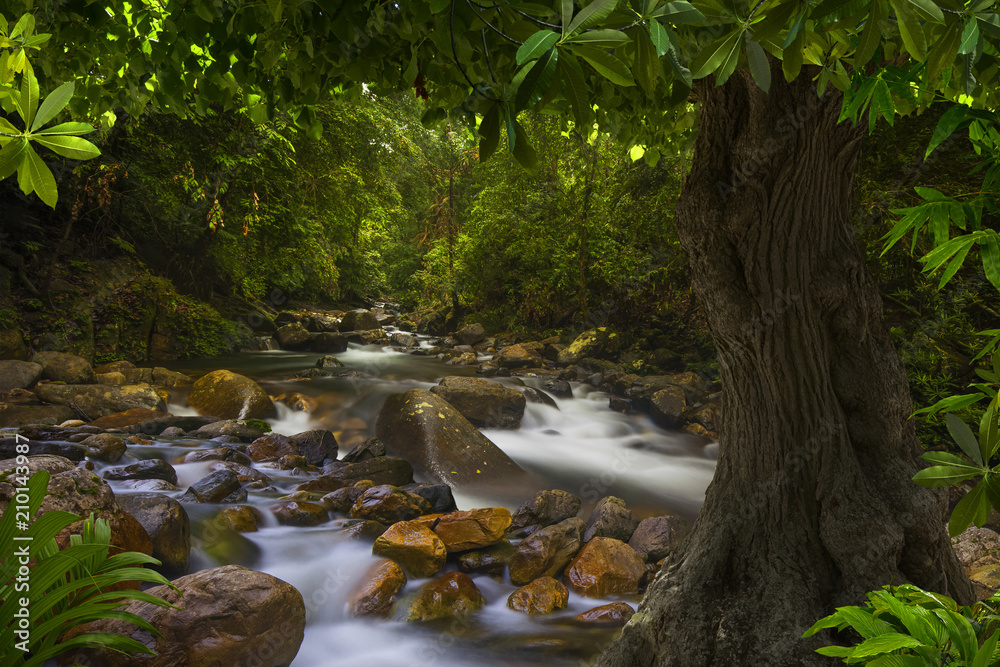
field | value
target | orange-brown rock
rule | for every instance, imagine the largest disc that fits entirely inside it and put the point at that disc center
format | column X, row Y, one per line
column 242, row 518
column 451, row 594
column 128, row 418
column 605, row 566
column 295, row 513
column 388, row 504
column 546, row 552
column 616, row 613
column 542, row 596
column 417, row 548
column 472, row 529
column 377, row 591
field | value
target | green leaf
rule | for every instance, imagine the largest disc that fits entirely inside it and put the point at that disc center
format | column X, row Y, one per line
column 679, row 12
column 791, row 57
column 938, row 476
column 964, row 437
column 910, row 29
column 575, row 89
column 68, row 128
column 715, row 54
column 647, row 63
column 74, row 148
column 970, row 37
column 606, row 65
column 949, row 459
column 943, row 51
column 523, row 152
column 990, row 24
column 892, row 641
column 927, row 10
column 489, row 130
column 864, row 622
column 984, row 657
column 11, row 157
column 536, row 45
column 566, row 12
column 606, row 37
column 871, row 37
column 537, row 80
column 956, row 116
column 952, row 403
column 989, row 248
column 39, row 177
column 760, row 69
column 661, row 40
column 53, row 104
column 989, row 431
column 28, row 102
column 968, row 77
column 967, row 509
column 591, row 15
column 24, row 26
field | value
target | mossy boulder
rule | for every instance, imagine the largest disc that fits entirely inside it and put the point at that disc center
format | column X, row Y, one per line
column 68, row 368
column 593, row 343
column 229, row 395
column 98, row 400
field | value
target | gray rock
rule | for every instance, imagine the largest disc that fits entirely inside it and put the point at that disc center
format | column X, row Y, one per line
column 486, row 404
column 400, row 339
column 657, row 536
column 222, row 486
column 292, row 336
column 543, row 509
column 329, row 361
column 18, row 374
column 667, row 406
column 231, row 427
column 168, row 526
column 359, row 320
column 611, row 518
column 104, row 447
column 22, row 415
column 369, row 449
column 68, row 368
column 381, row 470
column 316, row 446
column 471, row 334
column 329, row 342
column 148, row 469
column 559, row 388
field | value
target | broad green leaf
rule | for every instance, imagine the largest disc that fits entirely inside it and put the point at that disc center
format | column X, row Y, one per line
column 970, row 38
column 791, row 57
column 489, row 130
column 24, row 26
column 53, row 104
column 679, row 12
column 944, row 50
column 952, row 403
column 964, row 437
column 28, row 101
column 11, row 157
column 892, row 641
column 955, row 117
column 661, row 40
column 871, row 37
column 949, row 459
column 647, row 64
column 989, row 248
column 990, row 24
column 760, row 69
column 938, row 476
column 910, row 29
column 968, row 77
column 864, row 623
column 75, row 148
column 959, row 629
column 605, row 37
column 968, row 509
column 523, row 151
column 566, row 8
column 68, row 128
column 6, row 126
column 682, row 73
column 956, row 263
column 927, row 10
column 715, row 54
column 591, row 15
column 774, row 21
column 984, row 657
column 836, row 651
column 575, row 89
column 989, row 431
column 728, row 65
column 536, row 45
column 40, row 177
column 606, row 65
column 537, row 81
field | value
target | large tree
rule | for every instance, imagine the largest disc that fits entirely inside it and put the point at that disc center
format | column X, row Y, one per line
column 812, row 503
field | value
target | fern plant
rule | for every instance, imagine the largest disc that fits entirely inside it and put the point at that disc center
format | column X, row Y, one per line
column 64, row 588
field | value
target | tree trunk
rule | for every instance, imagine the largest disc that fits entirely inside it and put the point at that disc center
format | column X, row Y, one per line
column 812, row 504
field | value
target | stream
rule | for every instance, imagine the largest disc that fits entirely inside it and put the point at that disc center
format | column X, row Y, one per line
column 580, row 446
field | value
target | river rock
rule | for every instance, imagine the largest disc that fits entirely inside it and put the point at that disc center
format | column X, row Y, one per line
column 377, row 590
column 451, row 594
column 330, row 342
column 218, row 454
column 104, row 447
column 485, row 404
column 974, row 543
column 517, row 356
column 12, row 414
column 400, row 339
column 159, row 425
column 611, row 518
column 320, row 323
column 147, row 469
column 295, row 513
column 287, row 317
column 380, row 470
column 245, row 473
column 158, row 376
column 374, row 337
column 667, row 407
column 329, row 361
column 12, row 345
column 242, row 518
column 542, row 596
column 230, row 396
column 544, row 509
column 271, row 447
column 592, row 343
column 492, row 560
column 114, row 379
column 657, row 536
column 442, row 444
column 97, row 400
column 472, row 529
column 359, row 320
column 707, row 415
column 614, row 614
column 168, row 527
column 128, row 418
column 225, row 616
column 18, row 374
column 317, row 446
column 546, row 552
column 605, row 566
column 440, row 497
column 292, row 336
column 369, row 449
column 471, row 334
column 414, row 546
column 222, row 486
column 388, row 504
column 559, row 388
column 62, row 367
column 642, row 389
column 241, row 430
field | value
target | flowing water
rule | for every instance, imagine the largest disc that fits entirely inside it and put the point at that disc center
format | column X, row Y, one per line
column 580, row 445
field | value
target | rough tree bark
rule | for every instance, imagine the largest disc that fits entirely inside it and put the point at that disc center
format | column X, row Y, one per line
column 812, row 503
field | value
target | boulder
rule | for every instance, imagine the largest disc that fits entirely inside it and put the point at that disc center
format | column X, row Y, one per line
column 657, row 536
column 62, row 367
column 471, row 334
column 224, row 616
column 292, row 336
column 239, row 429
column 359, row 320
column 128, row 418
column 544, row 509
column 605, row 566
column 615, row 614
column 451, row 594
column 242, row 518
column 168, row 526
column 485, row 404
column 400, row 339
column 217, row 454
column 105, row 447
column 98, row 400
column 18, row 374
column 517, row 356
column 374, row 337
column 492, row 560
column 377, row 590
column 369, row 449
column 388, row 504
column 115, row 379
column 329, row 342
column 12, row 345
column 317, row 446
column 158, row 425
column 271, row 447
column 592, row 343
column 611, row 518
column 974, row 543
column 380, row 470
column 12, row 414
column 707, row 415
column 147, row 469
column 440, row 497
column 667, row 407
column 542, row 596
column 472, row 529
column 230, row 396
column 287, row 317
column 329, row 361
column 158, row 376
column 244, row 473
column 546, row 552
column 320, row 323
column 414, row 546
column 442, row 444
column 559, row 388
column 295, row 513
column 222, row 486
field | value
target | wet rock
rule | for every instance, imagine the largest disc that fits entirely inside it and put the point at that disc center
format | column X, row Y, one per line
column 68, row 368
column 559, row 388
column 400, row 339
column 359, row 320
column 293, row 513
column 642, row 389
column 442, row 444
column 492, row 560
column 544, row 509
column 472, row 529
column 618, row 404
column 542, row 596
column 708, row 416
column 546, row 552
column 218, row 454
column 381, row 470
column 168, row 527
column 97, row 400
column 128, row 418
column 68, row 450
column 244, row 473
column 330, row 342
column 242, row 518
column 667, row 407
column 222, row 486
column 148, row 469
column 592, row 343
column 228, row 395
column 414, row 546
column 292, row 336
column 319, row 323
column 485, row 404
column 105, row 447
column 377, row 590
column 364, row 530
column 657, row 536
column 231, row 427
column 517, row 356
column 369, row 449
column 464, row 359
column 224, row 616
column 439, row 496
column 471, row 334
column 25, row 414
column 173, row 432
column 159, row 425
column 388, row 504
column 374, row 337
column 271, row 447
column 329, row 361
column 615, row 614
column 297, row 402
column 451, row 594
column 611, row 518
column 605, row 566
column 317, row 446
column 18, row 374
column 287, row 317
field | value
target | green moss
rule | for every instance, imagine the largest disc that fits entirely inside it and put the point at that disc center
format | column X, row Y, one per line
column 256, row 424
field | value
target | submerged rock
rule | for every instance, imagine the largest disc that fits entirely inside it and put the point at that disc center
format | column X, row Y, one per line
column 147, row 469
column 492, row 560
column 380, row 470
